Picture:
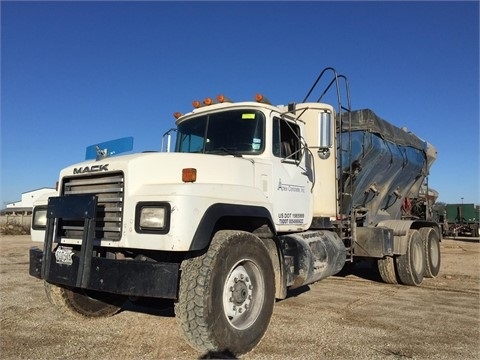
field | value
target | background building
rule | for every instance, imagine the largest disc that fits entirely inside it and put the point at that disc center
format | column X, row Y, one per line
column 25, row 205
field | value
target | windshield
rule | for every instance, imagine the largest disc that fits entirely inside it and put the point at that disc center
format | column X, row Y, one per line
column 234, row 132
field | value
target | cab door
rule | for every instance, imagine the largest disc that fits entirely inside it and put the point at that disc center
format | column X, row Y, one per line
column 292, row 178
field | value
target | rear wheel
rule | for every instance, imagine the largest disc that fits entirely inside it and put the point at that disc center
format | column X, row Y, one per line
column 411, row 265
column 227, row 295
column 83, row 303
column 431, row 243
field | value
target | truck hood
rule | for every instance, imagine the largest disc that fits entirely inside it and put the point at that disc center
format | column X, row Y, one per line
column 166, row 168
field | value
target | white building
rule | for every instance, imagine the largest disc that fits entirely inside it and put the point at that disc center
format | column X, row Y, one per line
column 28, row 199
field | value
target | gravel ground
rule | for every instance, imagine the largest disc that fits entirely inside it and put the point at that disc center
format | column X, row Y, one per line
column 350, row 316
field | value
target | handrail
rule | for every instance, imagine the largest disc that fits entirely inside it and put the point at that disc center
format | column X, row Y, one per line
column 345, row 229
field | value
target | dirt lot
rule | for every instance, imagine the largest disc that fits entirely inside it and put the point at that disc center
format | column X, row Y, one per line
column 351, row 316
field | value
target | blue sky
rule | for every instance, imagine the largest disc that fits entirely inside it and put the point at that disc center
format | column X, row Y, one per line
column 78, row 73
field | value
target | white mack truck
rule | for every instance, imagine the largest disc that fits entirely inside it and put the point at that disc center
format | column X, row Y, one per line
column 254, row 200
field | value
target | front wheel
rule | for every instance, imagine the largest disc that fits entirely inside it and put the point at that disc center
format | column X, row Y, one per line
column 386, row 268
column 83, row 303
column 226, row 296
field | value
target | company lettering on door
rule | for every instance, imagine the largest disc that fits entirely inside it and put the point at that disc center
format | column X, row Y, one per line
column 291, row 218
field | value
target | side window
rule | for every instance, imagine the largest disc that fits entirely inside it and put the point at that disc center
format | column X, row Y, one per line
column 286, row 140
column 190, row 135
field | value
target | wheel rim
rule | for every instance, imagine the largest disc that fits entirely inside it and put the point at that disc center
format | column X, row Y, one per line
column 243, row 294
column 434, row 252
column 417, row 259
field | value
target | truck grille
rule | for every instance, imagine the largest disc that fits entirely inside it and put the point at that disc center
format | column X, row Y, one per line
column 109, row 191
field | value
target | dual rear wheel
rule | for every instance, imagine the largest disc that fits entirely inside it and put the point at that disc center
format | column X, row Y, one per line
column 431, row 242
column 422, row 259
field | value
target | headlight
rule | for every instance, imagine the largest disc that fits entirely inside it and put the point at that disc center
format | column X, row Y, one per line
column 152, row 218
column 39, row 218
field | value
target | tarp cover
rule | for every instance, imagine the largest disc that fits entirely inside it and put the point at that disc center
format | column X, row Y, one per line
column 367, row 120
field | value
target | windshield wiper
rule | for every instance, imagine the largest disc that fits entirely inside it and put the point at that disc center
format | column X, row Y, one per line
column 226, row 151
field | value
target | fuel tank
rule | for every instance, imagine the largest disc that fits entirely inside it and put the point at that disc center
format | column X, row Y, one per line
column 312, row 256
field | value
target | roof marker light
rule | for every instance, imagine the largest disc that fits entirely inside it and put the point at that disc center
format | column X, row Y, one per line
column 177, row 114
column 208, row 101
column 222, row 98
column 262, row 99
column 196, row 104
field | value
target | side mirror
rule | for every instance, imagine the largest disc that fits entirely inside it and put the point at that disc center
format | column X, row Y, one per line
column 324, row 134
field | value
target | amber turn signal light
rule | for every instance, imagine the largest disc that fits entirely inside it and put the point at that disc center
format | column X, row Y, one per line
column 189, row 175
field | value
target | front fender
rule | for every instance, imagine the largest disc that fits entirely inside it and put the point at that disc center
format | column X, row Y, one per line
column 400, row 233
column 236, row 215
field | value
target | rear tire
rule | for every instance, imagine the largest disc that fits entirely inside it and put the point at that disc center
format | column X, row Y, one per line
column 431, row 243
column 83, row 303
column 411, row 265
column 226, row 296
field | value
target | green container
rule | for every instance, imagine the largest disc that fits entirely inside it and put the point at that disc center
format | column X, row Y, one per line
column 462, row 213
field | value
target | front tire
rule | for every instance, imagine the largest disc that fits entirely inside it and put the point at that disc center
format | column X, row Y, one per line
column 226, row 296
column 411, row 265
column 83, row 303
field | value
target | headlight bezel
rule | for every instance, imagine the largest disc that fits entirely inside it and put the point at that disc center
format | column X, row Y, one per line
column 39, row 212
column 142, row 207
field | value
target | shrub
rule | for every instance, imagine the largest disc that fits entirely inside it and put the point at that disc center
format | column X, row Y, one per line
column 14, row 229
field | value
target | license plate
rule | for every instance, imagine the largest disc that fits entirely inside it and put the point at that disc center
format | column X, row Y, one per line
column 64, row 255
